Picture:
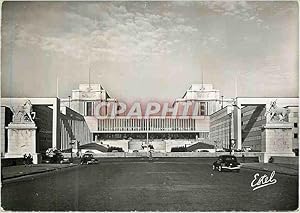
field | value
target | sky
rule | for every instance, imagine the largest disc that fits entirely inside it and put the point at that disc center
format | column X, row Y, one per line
column 150, row 50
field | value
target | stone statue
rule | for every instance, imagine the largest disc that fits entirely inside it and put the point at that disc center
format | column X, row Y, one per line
column 277, row 114
column 22, row 114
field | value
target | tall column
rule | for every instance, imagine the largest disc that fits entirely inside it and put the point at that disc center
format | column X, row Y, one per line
column 56, row 124
column 237, row 114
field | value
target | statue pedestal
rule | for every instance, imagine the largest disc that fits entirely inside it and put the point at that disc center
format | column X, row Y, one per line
column 277, row 140
column 22, row 140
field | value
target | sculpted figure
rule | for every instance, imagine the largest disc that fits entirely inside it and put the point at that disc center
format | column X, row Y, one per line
column 23, row 113
column 277, row 113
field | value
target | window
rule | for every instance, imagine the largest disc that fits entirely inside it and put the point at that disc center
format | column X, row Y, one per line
column 202, row 108
column 118, row 110
column 88, row 108
column 295, row 125
column 296, row 135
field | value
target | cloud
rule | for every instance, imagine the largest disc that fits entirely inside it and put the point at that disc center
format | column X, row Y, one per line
column 115, row 34
column 242, row 10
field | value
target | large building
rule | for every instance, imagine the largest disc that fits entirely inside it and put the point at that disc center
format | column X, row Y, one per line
column 57, row 126
column 294, row 119
column 245, row 119
column 253, row 118
column 84, row 99
column 91, row 115
column 266, row 102
column 221, row 128
column 109, row 124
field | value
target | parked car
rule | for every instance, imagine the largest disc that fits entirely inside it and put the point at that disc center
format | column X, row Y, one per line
column 55, row 157
column 65, row 161
column 88, row 159
column 226, row 162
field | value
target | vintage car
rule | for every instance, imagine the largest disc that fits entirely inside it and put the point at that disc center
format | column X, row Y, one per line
column 226, row 162
column 54, row 157
column 88, row 159
column 65, row 161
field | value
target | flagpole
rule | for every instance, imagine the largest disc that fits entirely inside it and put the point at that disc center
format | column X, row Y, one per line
column 89, row 64
column 201, row 77
column 89, row 77
column 202, row 80
column 236, row 87
column 57, row 88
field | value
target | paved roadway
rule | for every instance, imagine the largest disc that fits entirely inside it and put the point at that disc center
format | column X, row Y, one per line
column 161, row 185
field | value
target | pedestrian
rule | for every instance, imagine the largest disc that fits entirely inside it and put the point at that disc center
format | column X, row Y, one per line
column 243, row 158
column 25, row 159
column 29, row 159
column 271, row 159
column 150, row 153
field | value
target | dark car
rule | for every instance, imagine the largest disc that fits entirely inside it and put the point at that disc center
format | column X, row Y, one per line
column 88, row 159
column 56, row 157
column 227, row 162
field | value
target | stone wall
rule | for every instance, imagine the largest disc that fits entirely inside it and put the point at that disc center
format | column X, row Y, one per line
column 277, row 138
column 178, row 154
column 22, row 139
column 286, row 160
column 178, row 143
column 117, row 143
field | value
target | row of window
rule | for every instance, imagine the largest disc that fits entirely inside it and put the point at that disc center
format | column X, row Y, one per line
column 220, row 121
column 146, row 124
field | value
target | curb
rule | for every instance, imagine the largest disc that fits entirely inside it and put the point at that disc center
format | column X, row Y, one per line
column 266, row 170
column 37, row 172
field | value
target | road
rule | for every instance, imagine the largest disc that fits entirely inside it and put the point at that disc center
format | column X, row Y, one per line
column 142, row 185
